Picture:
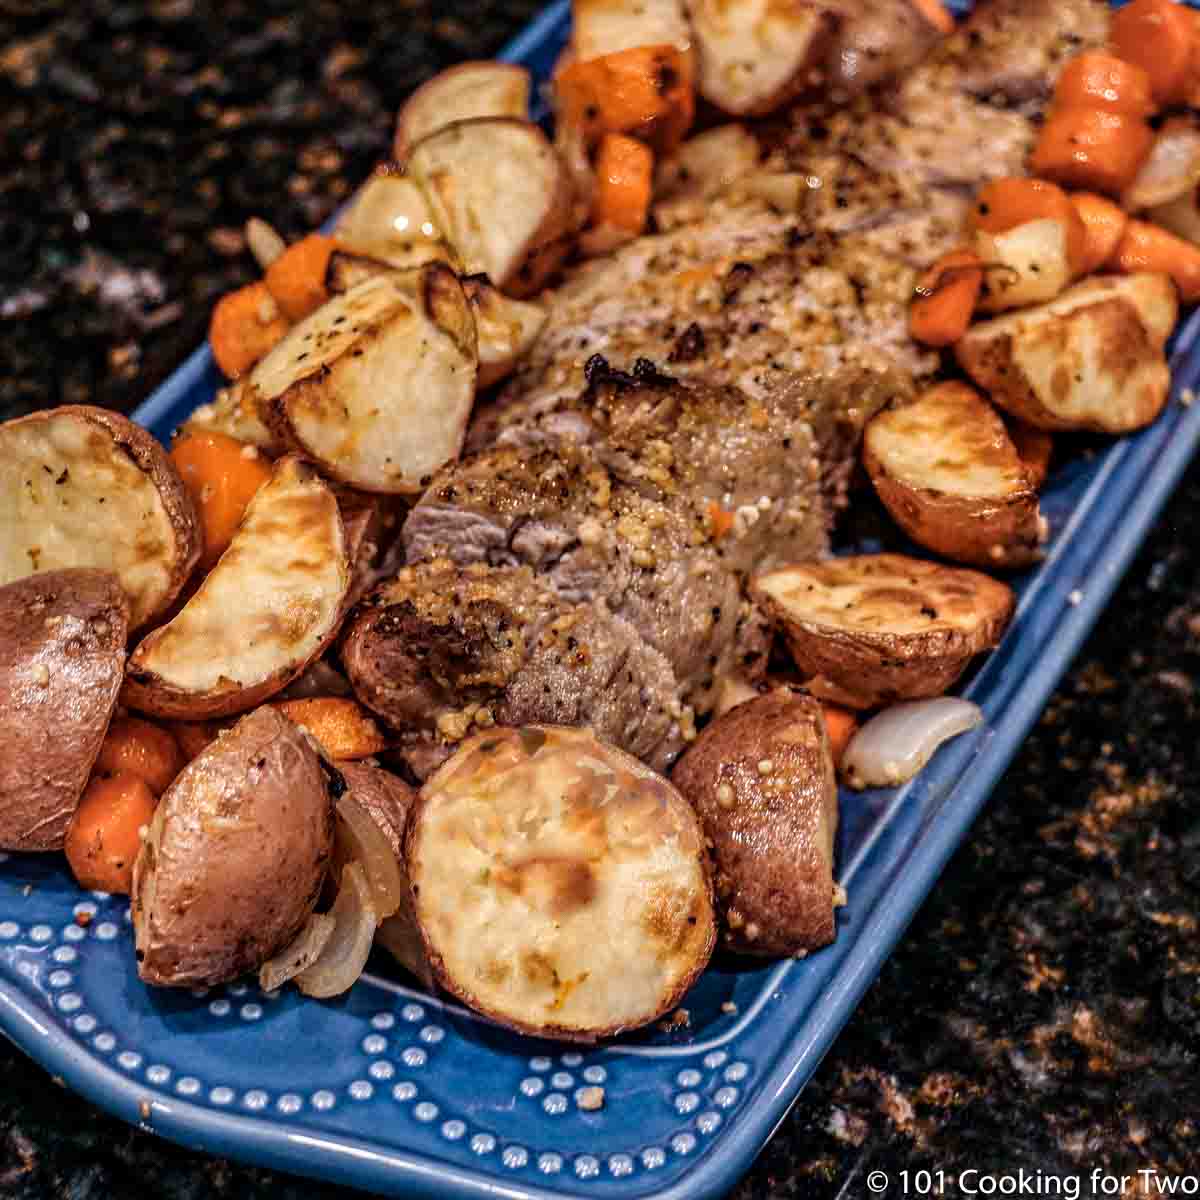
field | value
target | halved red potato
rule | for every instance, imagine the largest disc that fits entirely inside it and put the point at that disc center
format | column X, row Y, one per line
column 561, row 886
column 376, row 385
column 389, row 219
column 506, row 328
column 600, row 27
column 871, row 629
column 1091, row 359
column 62, row 658
column 501, row 194
column 756, row 55
column 1026, row 265
column 470, row 89
column 86, row 487
column 269, row 607
column 946, row 469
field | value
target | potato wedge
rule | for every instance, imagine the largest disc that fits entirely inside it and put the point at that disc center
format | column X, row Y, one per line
column 269, row 607
column 600, row 27
column 1091, row 359
column 762, row 779
column 506, row 328
column 1026, row 265
column 235, row 856
column 870, row 629
column 756, row 55
column 86, row 487
column 389, row 219
column 62, row 659
column 347, row 269
column 561, row 886
column 464, row 168
column 470, row 89
column 946, row 469
column 377, row 385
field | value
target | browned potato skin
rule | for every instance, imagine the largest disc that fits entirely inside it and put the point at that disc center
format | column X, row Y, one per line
column 61, row 662
column 772, row 839
column 1035, row 446
column 865, row 670
column 235, row 857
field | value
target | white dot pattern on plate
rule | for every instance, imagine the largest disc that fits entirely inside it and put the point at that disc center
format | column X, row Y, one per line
column 383, row 1020
column 432, row 1034
column 251, row 1012
column 100, row 895
column 425, row 1111
column 289, row 1103
column 587, row 1167
column 404, row 1091
column 414, row 1056
column 514, row 1157
column 85, row 1023
column 714, row 1059
column 158, row 1073
column 106, row 931
column 620, row 1164
column 708, row 1122
column 453, row 1130
column 9, row 930
column 687, row 1102
column 237, row 989
column 561, row 1079
column 412, row 1012
column 27, row 968
column 736, row 1071
column 360, row 1089
column 381, row 1069
column 40, row 933
column 540, row 1063
column 256, row 1099
column 73, row 933
column 653, row 1157
column 374, row 1044
column 104, row 1042
column 689, row 1078
column 323, row 1100
column 85, row 908
column 572, row 1059
column 129, row 1059
column 555, row 1104
column 483, row 1143
column 594, row 1074
column 550, row 1163
column 189, row 1085
column 532, row 1086
column 683, row 1143
column 64, row 954
column 70, row 1002
column 725, row 1097
column 220, row 1008
column 221, row 1095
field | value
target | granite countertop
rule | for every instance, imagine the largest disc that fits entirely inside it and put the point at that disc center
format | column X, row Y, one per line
column 1043, row 1011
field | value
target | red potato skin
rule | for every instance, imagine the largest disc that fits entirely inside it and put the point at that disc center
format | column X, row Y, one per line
column 61, row 663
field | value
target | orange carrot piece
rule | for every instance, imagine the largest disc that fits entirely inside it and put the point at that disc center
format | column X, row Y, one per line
column 148, row 751
column 1146, row 247
column 624, row 179
column 1092, row 149
column 945, row 299
column 936, row 13
column 195, row 736
column 345, row 730
column 1104, row 223
column 1160, row 37
column 245, row 325
column 222, row 475
column 841, row 724
column 1097, row 79
column 720, row 520
column 646, row 91
column 104, row 836
column 297, row 277
column 1006, row 203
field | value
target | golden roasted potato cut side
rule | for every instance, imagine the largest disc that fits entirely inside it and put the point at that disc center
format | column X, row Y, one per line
column 871, row 629
column 232, row 411
column 376, row 385
column 1028, row 264
column 470, row 89
column 389, row 219
column 506, row 328
column 600, row 27
column 62, row 658
column 947, row 471
column 756, row 55
column 501, row 194
column 762, row 779
column 85, row 487
column 560, row 885
column 234, row 860
column 1090, row 360
column 270, row 606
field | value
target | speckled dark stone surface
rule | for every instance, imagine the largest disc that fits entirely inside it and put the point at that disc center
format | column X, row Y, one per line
column 1044, row 1009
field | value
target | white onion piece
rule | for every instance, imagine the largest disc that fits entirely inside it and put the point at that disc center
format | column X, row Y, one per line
column 1172, row 168
column 1181, row 216
column 892, row 747
column 358, row 839
column 299, row 954
column 344, row 955
column 400, row 937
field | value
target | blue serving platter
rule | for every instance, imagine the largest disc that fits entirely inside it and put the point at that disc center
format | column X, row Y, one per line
column 401, row 1093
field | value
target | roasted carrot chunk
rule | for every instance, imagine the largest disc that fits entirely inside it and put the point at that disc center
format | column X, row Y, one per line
column 1004, row 204
column 936, row 13
column 148, row 751
column 1097, row 79
column 841, row 724
column 222, row 475
column 245, row 325
column 1146, row 247
column 624, row 177
column 104, row 836
column 344, row 728
column 646, row 92
column 1092, row 149
column 945, row 299
column 297, row 277
column 1104, row 223
column 1160, row 37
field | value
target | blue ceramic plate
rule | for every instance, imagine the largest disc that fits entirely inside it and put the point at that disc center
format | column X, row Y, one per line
column 395, row 1091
